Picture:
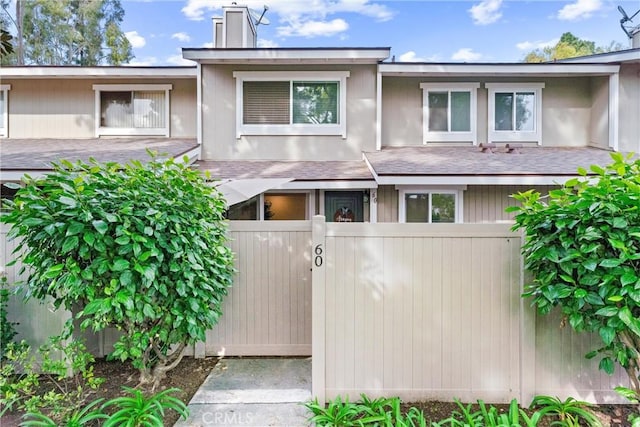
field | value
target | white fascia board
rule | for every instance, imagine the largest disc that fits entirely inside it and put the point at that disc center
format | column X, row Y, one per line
column 632, row 55
column 97, row 72
column 443, row 180
column 307, row 56
column 395, row 69
column 328, row 185
column 18, row 175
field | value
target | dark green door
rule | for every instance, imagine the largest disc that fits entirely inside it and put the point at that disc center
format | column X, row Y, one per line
column 343, row 206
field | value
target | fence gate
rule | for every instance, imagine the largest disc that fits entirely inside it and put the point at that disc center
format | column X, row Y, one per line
column 268, row 309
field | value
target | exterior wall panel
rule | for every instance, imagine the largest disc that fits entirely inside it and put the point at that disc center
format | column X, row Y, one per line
column 566, row 109
column 65, row 108
column 599, row 122
column 629, row 108
column 481, row 203
column 219, row 120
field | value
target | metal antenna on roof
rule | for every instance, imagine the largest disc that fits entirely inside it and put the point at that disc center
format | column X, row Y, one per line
column 259, row 18
column 628, row 29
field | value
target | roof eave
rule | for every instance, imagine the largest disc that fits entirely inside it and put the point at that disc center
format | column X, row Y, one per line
column 513, row 69
column 445, row 180
column 38, row 72
column 287, row 56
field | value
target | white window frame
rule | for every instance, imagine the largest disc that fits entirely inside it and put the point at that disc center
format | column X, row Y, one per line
column 107, row 131
column 457, row 191
column 450, row 136
column 515, row 135
column 339, row 129
column 4, row 130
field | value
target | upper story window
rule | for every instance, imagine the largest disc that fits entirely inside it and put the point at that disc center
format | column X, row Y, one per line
column 284, row 103
column 137, row 109
column 449, row 112
column 515, row 112
column 4, row 110
column 430, row 205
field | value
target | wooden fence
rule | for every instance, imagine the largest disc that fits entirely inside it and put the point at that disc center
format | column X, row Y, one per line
column 415, row 310
column 434, row 312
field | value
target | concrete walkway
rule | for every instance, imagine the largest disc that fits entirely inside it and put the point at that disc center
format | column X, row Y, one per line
column 253, row 392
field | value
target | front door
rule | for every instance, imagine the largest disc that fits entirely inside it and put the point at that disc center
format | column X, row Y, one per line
column 343, row 206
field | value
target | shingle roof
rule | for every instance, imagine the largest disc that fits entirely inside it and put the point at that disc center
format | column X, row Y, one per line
column 298, row 170
column 470, row 161
column 37, row 154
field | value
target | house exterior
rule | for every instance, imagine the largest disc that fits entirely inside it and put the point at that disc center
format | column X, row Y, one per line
column 346, row 133
column 356, row 137
column 418, row 128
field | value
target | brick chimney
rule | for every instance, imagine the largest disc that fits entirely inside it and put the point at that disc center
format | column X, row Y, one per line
column 235, row 29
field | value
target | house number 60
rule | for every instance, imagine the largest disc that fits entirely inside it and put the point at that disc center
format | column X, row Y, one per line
column 318, row 260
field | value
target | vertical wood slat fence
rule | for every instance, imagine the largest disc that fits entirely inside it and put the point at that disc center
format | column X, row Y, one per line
column 419, row 311
column 434, row 312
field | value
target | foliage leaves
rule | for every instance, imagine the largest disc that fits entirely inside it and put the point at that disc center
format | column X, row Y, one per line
column 74, row 32
column 583, row 248
column 140, row 247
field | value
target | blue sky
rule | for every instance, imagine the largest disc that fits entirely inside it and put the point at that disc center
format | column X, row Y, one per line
column 416, row 30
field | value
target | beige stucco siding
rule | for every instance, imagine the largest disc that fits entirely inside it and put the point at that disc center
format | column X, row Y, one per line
column 51, row 109
column 219, row 119
column 599, row 119
column 566, row 110
column 65, row 108
column 481, row 203
column 629, row 134
column 183, row 108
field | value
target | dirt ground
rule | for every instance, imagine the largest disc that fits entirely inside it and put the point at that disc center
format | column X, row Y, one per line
column 190, row 373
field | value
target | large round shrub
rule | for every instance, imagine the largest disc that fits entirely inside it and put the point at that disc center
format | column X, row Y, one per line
column 140, row 247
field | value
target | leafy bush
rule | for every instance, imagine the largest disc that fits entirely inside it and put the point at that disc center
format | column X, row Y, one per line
column 140, row 247
column 583, row 249
column 66, row 366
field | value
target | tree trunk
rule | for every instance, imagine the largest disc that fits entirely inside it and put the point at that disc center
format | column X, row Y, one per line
column 154, row 375
column 20, row 50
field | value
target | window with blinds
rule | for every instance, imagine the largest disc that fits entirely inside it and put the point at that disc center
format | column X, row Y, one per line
column 4, row 114
column 266, row 103
column 290, row 102
column 133, row 109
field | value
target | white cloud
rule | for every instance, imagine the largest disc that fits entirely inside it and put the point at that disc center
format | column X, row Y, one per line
column 136, row 40
column 267, row 43
column 579, row 10
column 527, row 45
column 486, row 12
column 313, row 28
column 195, row 9
column 208, row 45
column 411, row 56
column 183, row 37
column 294, row 18
column 177, row 59
column 147, row 61
column 466, row 54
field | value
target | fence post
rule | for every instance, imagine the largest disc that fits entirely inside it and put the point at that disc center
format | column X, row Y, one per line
column 527, row 339
column 318, row 313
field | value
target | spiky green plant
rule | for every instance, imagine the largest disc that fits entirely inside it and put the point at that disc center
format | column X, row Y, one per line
column 138, row 410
